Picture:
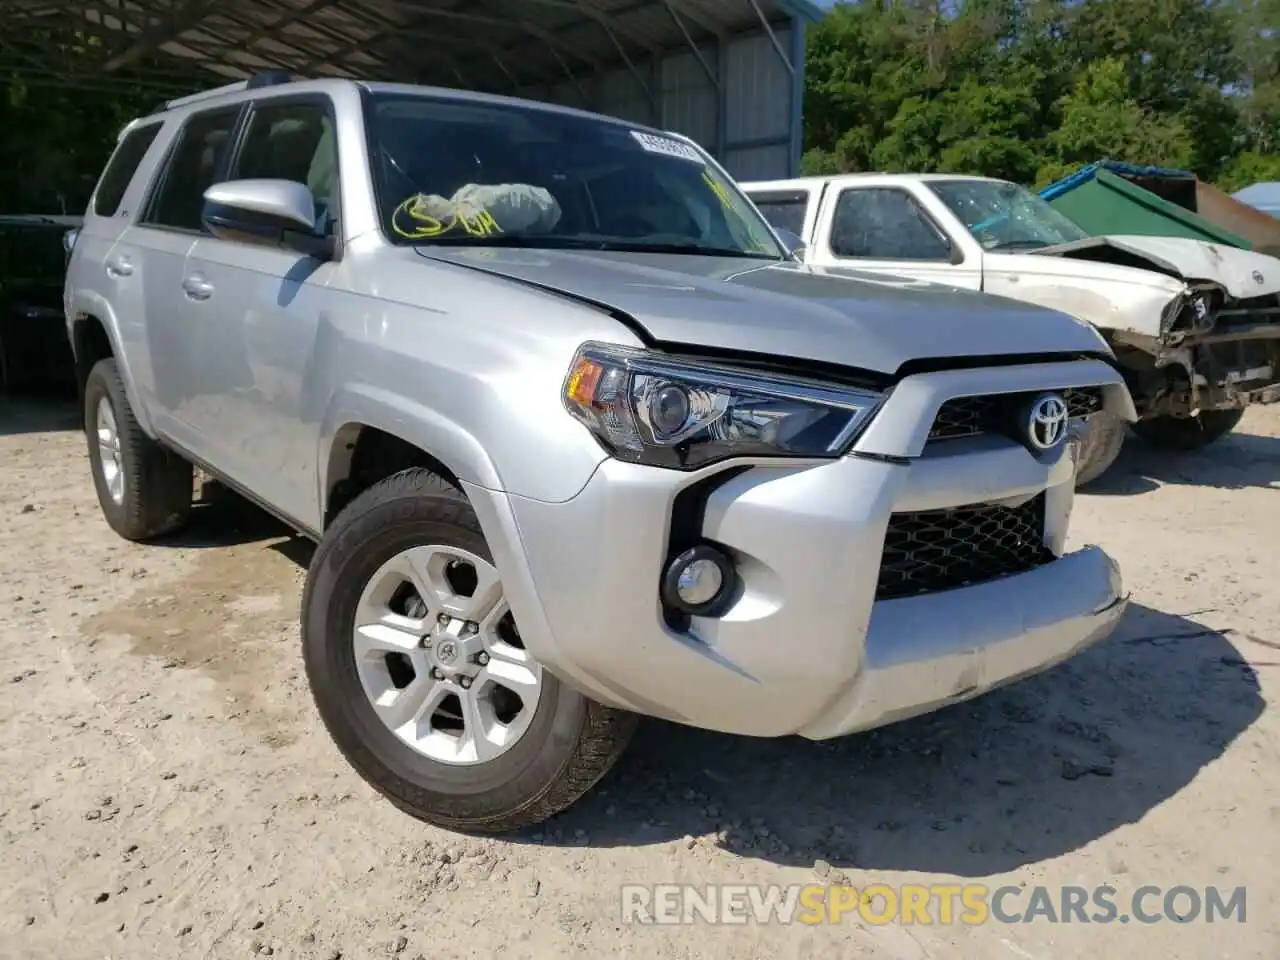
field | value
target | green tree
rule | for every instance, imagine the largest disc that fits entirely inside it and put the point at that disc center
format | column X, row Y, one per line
column 1172, row 80
column 1170, row 48
column 1247, row 168
column 1258, row 46
column 60, row 127
column 994, row 130
column 863, row 61
column 1101, row 120
column 1029, row 89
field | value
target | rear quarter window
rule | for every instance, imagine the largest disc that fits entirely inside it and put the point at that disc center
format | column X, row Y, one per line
column 785, row 211
column 121, row 168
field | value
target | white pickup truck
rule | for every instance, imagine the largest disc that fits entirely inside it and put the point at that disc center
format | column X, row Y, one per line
column 1194, row 325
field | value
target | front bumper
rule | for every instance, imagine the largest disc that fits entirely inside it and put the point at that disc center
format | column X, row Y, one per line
column 806, row 649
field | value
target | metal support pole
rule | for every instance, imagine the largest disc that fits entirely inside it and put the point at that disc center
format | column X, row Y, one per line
column 797, row 97
column 573, row 77
column 693, row 47
column 656, row 94
column 515, row 84
column 773, row 38
column 722, row 98
column 631, row 66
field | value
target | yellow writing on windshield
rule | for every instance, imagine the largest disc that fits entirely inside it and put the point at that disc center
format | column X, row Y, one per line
column 719, row 189
column 755, row 239
column 412, row 221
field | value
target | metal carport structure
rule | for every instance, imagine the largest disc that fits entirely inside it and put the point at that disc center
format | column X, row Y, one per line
column 729, row 73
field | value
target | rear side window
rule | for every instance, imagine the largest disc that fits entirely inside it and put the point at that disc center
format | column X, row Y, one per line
column 194, row 164
column 784, row 211
column 121, row 168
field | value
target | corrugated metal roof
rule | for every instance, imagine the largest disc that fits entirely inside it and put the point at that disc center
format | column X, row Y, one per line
column 497, row 45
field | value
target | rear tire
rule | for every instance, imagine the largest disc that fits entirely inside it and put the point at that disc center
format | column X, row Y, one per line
column 1100, row 444
column 1188, row 433
column 380, row 610
column 144, row 489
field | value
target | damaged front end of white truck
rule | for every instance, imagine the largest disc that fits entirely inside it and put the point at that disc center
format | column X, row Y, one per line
column 1209, row 341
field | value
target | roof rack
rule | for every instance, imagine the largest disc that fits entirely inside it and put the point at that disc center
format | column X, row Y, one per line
column 267, row 78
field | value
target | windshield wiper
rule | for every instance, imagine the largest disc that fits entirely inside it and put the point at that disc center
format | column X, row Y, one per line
column 522, row 241
column 529, row 242
column 690, row 247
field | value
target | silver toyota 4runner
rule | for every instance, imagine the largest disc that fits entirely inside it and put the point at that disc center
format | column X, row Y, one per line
column 576, row 437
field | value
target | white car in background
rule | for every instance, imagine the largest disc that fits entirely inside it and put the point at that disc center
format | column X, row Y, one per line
column 1195, row 326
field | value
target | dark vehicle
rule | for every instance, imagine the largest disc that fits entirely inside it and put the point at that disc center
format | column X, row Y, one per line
column 34, row 351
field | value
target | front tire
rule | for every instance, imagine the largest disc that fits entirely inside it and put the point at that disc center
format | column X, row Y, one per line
column 421, row 678
column 144, row 488
column 1100, row 445
column 1188, row 433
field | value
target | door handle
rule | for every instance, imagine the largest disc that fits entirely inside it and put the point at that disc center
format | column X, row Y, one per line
column 197, row 288
column 119, row 268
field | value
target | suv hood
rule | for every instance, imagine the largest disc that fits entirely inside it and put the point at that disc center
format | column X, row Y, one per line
column 1242, row 273
column 787, row 309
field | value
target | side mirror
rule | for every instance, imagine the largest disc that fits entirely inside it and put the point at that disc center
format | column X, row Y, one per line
column 793, row 243
column 273, row 213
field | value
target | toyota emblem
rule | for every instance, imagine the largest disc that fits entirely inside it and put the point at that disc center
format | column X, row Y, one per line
column 1046, row 422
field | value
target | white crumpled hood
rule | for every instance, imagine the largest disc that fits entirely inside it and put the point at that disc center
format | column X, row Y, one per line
column 1242, row 273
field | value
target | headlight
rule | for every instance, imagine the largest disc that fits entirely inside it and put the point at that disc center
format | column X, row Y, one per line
column 647, row 408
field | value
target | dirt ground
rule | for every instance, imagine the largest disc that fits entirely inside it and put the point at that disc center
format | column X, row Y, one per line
column 167, row 789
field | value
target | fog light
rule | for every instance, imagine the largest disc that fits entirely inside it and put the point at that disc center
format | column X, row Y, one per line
column 700, row 581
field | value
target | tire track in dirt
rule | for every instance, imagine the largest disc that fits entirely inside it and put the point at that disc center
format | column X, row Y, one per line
column 232, row 616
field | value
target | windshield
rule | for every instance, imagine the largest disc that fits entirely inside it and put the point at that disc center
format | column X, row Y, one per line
column 1005, row 216
column 460, row 172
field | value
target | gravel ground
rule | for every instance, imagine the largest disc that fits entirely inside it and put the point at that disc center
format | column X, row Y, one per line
column 167, row 789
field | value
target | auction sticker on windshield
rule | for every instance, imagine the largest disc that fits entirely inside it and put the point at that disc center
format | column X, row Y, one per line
column 667, row 147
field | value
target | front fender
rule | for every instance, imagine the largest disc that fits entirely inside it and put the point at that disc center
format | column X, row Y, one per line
column 80, row 308
column 1110, row 308
column 413, row 423
column 1110, row 305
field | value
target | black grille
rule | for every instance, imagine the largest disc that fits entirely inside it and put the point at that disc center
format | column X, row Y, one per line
column 940, row 549
column 995, row 413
